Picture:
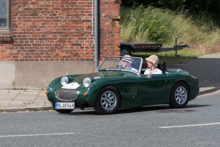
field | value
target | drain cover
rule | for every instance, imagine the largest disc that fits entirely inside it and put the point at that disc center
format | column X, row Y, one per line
column 175, row 111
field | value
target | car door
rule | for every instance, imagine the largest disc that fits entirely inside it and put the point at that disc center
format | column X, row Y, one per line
column 127, row 87
column 152, row 88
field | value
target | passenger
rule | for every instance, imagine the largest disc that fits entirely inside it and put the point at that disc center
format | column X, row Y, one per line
column 152, row 62
column 126, row 62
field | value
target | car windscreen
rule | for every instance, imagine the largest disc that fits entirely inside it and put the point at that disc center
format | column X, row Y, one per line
column 132, row 64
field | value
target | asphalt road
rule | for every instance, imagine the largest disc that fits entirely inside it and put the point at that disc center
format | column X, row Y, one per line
column 197, row 125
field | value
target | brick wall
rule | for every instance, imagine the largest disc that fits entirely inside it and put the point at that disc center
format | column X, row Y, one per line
column 59, row 30
column 109, row 30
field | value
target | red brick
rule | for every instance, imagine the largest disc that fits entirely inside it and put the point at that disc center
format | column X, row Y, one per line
column 56, row 30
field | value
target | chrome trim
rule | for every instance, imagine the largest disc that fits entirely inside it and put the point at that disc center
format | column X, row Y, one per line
column 77, row 93
column 139, row 72
column 108, row 100
column 180, row 95
column 178, row 70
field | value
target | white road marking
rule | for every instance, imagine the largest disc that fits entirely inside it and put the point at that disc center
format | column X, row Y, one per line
column 30, row 135
column 195, row 125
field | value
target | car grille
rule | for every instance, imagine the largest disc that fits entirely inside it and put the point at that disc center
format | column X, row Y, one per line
column 66, row 94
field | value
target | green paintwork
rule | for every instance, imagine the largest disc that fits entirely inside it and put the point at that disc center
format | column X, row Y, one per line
column 135, row 90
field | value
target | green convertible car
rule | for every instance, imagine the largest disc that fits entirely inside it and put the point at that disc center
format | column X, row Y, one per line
column 111, row 87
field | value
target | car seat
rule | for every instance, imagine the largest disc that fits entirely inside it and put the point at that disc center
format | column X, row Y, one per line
column 162, row 66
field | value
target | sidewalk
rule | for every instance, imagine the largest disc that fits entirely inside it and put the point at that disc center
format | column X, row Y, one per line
column 36, row 100
column 23, row 100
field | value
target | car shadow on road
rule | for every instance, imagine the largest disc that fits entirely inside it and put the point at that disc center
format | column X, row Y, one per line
column 160, row 108
column 157, row 108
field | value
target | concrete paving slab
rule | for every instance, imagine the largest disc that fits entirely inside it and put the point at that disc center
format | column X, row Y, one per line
column 18, row 103
column 27, row 94
column 41, row 102
column 4, row 106
column 5, row 101
column 42, row 97
column 6, row 95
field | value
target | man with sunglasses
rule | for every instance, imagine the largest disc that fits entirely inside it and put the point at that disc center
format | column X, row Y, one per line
column 126, row 63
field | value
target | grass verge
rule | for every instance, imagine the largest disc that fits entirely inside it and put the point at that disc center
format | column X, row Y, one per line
column 140, row 24
column 183, row 56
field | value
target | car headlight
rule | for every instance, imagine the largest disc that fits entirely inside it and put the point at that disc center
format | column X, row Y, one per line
column 86, row 82
column 64, row 80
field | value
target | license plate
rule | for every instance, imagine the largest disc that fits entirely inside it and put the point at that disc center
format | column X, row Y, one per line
column 65, row 105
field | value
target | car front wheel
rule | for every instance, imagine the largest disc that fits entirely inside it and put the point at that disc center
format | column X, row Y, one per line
column 107, row 101
column 179, row 95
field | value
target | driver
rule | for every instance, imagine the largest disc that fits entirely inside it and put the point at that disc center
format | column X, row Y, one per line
column 126, row 62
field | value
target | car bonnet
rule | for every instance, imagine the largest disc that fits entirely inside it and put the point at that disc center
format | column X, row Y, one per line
column 99, row 75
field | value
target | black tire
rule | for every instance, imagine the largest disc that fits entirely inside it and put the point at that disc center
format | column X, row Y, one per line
column 61, row 111
column 125, row 51
column 179, row 95
column 107, row 101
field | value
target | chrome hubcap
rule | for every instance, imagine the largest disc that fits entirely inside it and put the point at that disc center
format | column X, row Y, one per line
column 108, row 100
column 181, row 95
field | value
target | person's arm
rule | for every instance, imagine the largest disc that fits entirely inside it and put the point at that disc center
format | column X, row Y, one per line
column 147, row 71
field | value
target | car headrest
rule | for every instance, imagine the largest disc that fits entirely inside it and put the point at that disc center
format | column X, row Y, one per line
column 162, row 66
column 144, row 65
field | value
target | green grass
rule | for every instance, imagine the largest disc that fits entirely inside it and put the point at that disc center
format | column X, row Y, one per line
column 139, row 25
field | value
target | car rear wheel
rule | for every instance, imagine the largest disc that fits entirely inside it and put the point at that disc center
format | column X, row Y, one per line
column 61, row 111
column 107, row 101
column 179, row 95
